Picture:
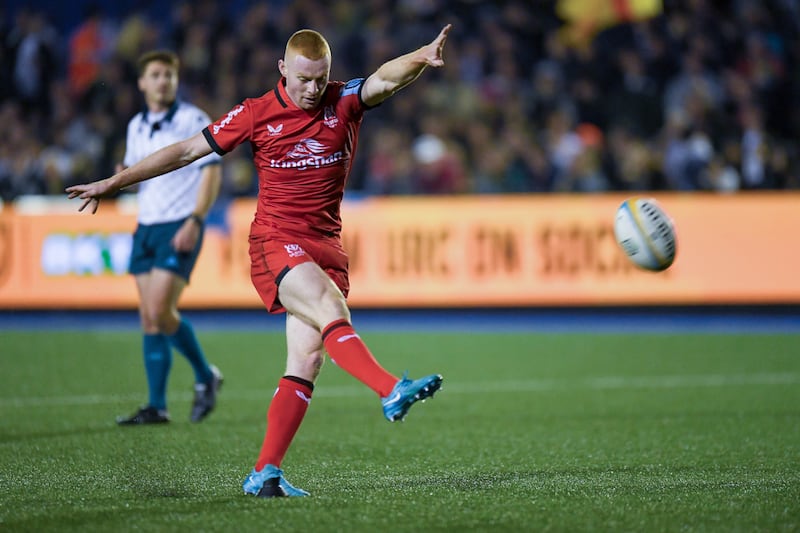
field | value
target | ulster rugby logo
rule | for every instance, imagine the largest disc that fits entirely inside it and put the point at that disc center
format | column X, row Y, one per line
column 331, row 120
column 294, row 250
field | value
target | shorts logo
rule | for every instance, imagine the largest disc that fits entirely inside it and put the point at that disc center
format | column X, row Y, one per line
column 294, row 250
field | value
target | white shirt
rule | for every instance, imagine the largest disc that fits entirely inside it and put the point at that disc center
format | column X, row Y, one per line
column 172, row 196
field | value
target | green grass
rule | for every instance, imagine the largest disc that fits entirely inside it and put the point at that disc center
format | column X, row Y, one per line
column 531, row 432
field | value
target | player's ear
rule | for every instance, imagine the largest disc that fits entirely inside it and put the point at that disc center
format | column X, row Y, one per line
column 282, row 68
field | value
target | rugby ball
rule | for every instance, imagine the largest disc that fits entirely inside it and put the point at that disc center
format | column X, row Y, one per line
column 645, row 233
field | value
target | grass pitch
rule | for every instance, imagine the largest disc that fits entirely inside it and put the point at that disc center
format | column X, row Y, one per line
column 531, row 432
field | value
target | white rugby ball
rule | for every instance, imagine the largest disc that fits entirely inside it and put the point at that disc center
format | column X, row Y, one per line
column 645, row 233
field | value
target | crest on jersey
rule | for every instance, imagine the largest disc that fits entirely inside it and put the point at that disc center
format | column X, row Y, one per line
column 331, row 120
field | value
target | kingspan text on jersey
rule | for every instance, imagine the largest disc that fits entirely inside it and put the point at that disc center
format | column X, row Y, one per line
column 308, row 162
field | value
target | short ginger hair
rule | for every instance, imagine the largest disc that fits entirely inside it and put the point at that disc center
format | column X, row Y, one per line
column 309, row 44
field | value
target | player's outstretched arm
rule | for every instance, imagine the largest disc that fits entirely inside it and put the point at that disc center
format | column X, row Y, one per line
column 160, row 162
column 399, row 72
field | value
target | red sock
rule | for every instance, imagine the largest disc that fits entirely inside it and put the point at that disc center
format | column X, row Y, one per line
column 349, row 352
column 285, row 413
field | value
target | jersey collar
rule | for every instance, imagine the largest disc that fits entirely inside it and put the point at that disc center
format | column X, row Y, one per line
column 281, row 95
column 287, row 103
column 167, row 118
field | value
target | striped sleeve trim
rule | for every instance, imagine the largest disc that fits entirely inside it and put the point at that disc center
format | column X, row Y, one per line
column 212, row 143
column 360, row 99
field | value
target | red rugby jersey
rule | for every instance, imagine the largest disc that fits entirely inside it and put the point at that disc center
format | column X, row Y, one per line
column 302, row 157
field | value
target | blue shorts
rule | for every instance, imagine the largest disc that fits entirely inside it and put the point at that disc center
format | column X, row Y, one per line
column 152, row 248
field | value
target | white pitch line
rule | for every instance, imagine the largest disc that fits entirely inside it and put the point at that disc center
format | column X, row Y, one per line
column 511, row 386
column 630, row 382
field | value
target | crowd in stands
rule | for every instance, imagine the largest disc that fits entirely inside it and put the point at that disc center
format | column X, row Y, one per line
column 705, row 96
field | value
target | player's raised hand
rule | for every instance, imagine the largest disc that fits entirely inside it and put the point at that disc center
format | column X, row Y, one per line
column 91, row 193
column 433, row 51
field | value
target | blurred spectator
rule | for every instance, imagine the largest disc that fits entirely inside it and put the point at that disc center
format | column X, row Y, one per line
column 688, row 152
column 20, row 169
column 563, row 144
column 33, row 50
column 629, row 163
column 696, row 81
column 635, row 96
column 389, row 166
column 89, row 47
column 548, row 93
column 437, row 168
column 527, row 169
column 584, row 172
column 754, row 150
column 722, row 176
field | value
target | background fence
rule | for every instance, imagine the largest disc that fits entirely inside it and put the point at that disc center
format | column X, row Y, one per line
column 495, row 251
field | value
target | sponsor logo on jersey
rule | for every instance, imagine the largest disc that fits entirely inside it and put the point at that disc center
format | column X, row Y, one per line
column 227, row 120
column 305, row 148
column 331, row 120
column 308, row 153
column 274, row 131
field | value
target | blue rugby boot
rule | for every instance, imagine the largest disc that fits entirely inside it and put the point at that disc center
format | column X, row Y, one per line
column 270, row 483
column 406, row 392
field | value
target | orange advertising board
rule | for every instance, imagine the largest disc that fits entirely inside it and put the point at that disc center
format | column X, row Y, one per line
column 533, row 250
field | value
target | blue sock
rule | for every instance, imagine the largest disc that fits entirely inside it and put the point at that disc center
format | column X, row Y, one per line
column 157, row 363
column 186, row 342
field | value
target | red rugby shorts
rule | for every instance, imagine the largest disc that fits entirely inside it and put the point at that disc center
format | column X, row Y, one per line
column 274, row 253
